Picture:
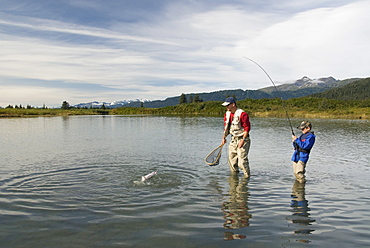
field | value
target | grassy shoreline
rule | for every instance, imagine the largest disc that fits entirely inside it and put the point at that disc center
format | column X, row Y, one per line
column 311, row 108
column 9, row 112
column 365, row 114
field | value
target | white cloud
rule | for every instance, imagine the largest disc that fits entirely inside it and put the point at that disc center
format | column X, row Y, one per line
column 317, row 42
column 183, row 49
column 28, row 95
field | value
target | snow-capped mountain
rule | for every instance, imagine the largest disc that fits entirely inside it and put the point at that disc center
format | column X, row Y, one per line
column 304, row 82
column 114, row 104
column 290, row 89
column 307, row 82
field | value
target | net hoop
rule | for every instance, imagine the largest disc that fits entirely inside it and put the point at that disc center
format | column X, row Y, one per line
column 214, row 156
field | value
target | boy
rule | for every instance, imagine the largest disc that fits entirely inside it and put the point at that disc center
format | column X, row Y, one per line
column 302, row 147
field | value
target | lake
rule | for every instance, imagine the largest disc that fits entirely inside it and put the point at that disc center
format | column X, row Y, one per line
column 76, row 182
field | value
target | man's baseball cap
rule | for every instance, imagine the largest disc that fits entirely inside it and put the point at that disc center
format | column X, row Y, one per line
column 228, row 101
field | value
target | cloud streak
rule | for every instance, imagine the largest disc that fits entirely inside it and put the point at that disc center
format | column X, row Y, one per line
column 174, row 48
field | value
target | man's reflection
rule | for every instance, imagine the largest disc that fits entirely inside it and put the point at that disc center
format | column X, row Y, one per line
column 236, row 207
column 299, row 206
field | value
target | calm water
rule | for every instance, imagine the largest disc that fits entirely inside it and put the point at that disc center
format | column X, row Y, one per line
column 71, row 182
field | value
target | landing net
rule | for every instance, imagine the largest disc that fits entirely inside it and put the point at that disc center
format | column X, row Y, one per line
column 214, row 157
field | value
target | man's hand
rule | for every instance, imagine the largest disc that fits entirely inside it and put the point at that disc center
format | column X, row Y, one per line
column 241, row 143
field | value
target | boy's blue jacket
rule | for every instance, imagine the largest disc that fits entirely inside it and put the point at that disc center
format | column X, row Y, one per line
column 302, row 146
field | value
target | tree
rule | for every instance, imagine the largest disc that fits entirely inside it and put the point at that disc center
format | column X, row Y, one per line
column 65, row 105
column 197, row 98
column 183, row 99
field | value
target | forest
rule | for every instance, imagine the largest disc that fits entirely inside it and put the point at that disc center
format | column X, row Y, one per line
column 303, row 107
column 351, row 101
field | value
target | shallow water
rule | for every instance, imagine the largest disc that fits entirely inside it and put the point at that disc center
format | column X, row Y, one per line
column 73, row 182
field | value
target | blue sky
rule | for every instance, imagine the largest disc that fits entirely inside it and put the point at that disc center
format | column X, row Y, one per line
column 108, row 50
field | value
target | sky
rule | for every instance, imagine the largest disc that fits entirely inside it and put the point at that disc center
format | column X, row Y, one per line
column 110, row 50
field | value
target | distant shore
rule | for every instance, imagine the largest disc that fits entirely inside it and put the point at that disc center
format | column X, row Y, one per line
column 311, row 108
column 143, row 111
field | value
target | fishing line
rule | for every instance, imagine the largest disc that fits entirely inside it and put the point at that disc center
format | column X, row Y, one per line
column 276, row 89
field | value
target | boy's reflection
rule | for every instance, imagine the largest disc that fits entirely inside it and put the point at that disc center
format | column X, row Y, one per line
column 236, row 207
column 300, row 209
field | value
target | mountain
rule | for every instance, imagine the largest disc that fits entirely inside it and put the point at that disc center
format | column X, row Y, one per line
column 298, row 88
column 114, row 104
column 357, row 90
column 304, row 83
column 205, row 97
column 305, row 86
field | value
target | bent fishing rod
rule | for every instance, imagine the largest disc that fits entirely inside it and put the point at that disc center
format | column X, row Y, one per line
column 276, row 89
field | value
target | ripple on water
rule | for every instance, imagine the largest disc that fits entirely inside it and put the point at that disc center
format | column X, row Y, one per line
column 108, row 189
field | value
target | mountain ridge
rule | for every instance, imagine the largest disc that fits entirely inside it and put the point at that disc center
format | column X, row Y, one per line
column 299, row 88
column 356, row 90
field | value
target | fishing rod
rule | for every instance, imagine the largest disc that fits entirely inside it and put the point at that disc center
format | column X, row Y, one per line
column 286, row 112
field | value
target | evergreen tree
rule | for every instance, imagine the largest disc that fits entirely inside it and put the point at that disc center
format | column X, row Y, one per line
column 65, row 105
column 191, row 99
column 183, row 99
column 197, row 98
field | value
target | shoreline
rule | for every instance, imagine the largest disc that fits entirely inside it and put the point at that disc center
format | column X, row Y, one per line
column 267, row 114
column 274, row 108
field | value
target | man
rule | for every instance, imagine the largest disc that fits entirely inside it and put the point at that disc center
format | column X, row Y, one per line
column 302, row 147
column 236, row 123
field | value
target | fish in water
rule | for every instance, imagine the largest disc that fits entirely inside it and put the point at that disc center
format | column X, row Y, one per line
column 146, row 177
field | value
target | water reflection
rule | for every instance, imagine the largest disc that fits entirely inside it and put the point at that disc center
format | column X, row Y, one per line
column 236, row 211
column 301, row 212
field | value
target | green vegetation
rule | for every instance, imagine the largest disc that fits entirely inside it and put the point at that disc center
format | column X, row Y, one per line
column 286, row 92
column 65, row 105
column 351, row 101
column 192, row 98
column 303, row 107
column 17, row 112
column 182, row 99
column 357, row 90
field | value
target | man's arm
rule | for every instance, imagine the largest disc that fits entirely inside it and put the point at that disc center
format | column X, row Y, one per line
column 244, row 119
